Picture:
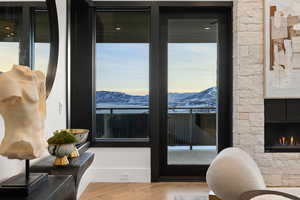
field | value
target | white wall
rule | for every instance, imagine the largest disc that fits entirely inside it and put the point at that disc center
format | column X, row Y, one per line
column 118, row 165
column 56, row 117
column 121, row 165
column 56, row 102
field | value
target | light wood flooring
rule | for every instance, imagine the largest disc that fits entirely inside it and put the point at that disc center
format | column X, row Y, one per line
column 146, row 191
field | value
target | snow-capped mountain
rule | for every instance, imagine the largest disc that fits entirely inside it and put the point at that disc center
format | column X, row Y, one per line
column 105, row 98
column 204, row 98
column 119, row 99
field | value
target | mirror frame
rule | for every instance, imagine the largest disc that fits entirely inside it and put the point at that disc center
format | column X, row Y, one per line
column 54, row 45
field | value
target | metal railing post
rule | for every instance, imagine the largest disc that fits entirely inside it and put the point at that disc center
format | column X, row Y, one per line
column 191, row 128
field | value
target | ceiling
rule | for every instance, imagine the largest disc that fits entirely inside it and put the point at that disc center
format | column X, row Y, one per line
column 134, row 27
column 123, row 27
column 11, row 23
column 192, row 30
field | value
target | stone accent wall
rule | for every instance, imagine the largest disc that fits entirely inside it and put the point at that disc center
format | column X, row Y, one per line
column 279, row 169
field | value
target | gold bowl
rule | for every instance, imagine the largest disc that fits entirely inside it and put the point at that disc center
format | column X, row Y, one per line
column 80, row 134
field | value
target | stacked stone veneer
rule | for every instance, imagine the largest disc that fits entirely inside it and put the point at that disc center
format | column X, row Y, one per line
column 279, row 169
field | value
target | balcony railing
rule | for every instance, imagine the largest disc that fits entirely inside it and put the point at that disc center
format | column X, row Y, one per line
column 110, row 110
column 187, row 126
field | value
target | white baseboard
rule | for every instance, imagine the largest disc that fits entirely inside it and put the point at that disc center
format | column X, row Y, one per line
column 120, row 175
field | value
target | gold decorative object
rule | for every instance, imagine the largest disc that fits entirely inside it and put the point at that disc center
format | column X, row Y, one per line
column 74, row 154
column 61, row 161
column 61, row 151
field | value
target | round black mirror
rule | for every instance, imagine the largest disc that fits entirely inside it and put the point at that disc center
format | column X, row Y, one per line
column 54, row 44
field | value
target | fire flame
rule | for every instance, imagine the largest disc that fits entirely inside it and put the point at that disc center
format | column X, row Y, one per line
column 282, row 140
column 287, row 141
column 292, row 141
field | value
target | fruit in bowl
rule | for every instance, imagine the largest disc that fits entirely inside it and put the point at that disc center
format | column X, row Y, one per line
column 61, row 145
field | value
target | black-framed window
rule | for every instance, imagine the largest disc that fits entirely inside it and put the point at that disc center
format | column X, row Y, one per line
column 23, row 26
column 122, row 74
column 83, row 62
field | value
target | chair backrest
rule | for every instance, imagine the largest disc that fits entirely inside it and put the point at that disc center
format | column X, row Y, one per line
column 232, row 173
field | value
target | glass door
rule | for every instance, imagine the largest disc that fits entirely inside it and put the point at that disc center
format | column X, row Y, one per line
column 192, row 91
column 190, row 57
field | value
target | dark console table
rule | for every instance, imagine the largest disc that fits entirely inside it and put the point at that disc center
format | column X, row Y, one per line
column 55, row 188
column 76, row 168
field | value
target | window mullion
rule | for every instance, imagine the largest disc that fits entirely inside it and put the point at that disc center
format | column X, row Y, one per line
column 25, row 57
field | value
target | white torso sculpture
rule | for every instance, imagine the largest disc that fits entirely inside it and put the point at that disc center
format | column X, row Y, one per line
column 23, row 108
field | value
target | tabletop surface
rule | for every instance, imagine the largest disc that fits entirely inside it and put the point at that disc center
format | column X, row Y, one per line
column 55, row 188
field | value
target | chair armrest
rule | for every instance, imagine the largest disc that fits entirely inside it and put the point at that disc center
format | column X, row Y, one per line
column 254, row 193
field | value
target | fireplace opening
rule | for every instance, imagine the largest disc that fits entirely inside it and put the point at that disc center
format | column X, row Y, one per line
column 282, row 137
column 282, row 125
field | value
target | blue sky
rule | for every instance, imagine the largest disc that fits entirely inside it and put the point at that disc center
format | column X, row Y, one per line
column 42, row 52
column 124, row 67
column 9, row 55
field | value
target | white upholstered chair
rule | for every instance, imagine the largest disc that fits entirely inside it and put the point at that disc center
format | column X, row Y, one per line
column 234, row 175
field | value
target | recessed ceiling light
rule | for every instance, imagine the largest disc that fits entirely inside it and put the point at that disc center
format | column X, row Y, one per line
column 7, row 28
column 206, row 28
column 12, row 33
column 118, row 28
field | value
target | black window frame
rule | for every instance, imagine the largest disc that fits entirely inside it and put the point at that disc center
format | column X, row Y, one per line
column 83, row 42
column 136, row 142
column 86, row 42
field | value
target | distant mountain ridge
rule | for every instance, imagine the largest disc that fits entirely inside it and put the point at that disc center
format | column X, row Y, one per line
column 204, row 98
